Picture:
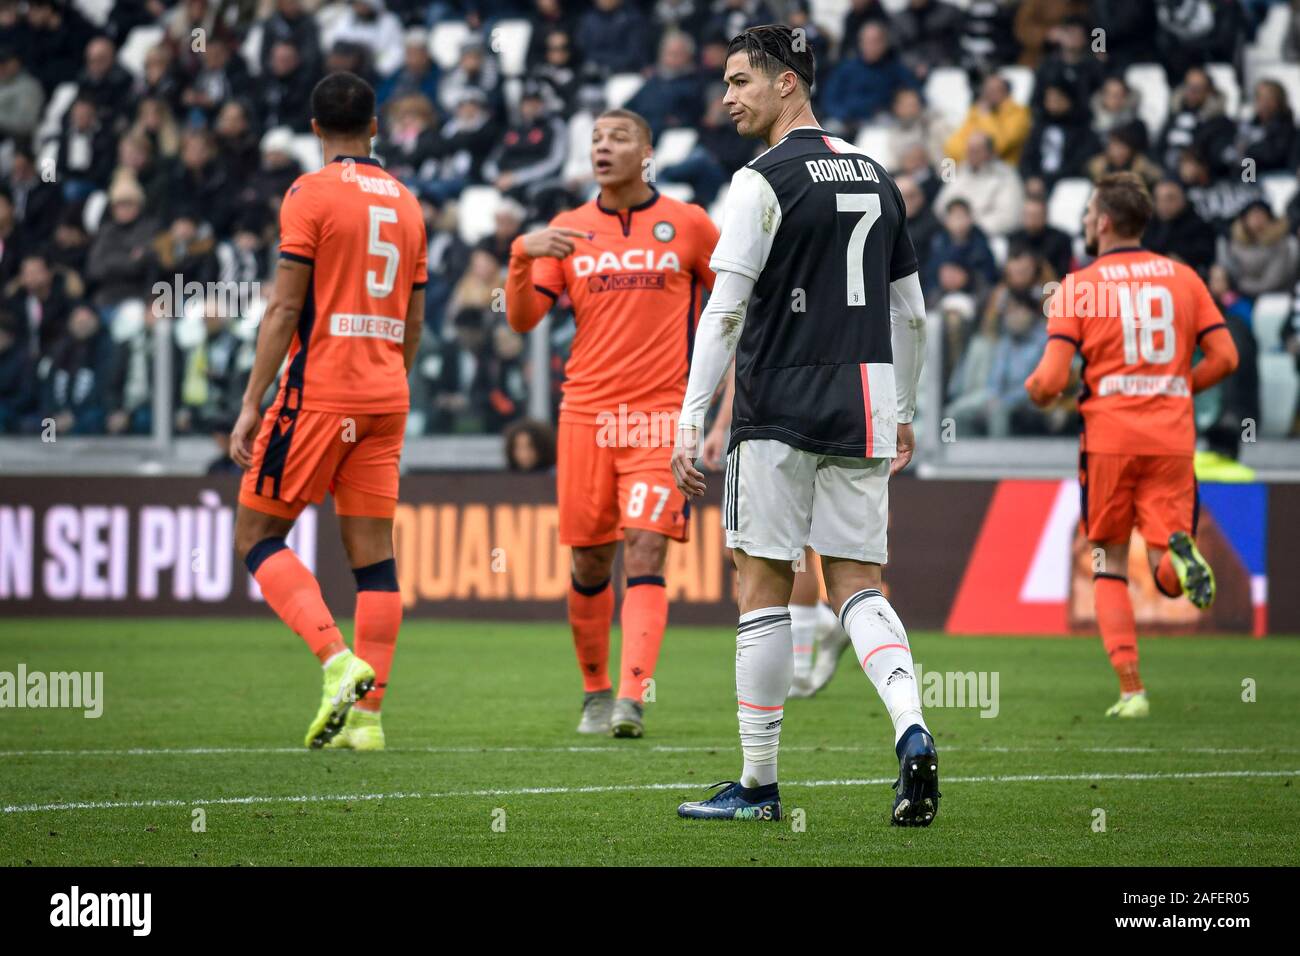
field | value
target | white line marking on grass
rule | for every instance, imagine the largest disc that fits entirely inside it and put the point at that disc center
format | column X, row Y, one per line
column 826, row 748
column 695, row 785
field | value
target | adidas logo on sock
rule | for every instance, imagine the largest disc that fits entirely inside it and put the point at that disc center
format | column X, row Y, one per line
column 898, row 674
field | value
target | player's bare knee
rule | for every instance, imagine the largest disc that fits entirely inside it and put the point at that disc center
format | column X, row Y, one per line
column 367, row 541
column 593, row 565
column 252, row 527
column 644, row 552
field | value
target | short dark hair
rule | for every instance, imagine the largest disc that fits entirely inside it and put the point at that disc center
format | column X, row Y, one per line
column 637, row 120
column 771, row 48
column 344, row 104
column 1125, row 199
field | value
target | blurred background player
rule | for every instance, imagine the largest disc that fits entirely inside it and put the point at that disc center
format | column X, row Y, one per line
column 825, row 395
column 635, row 265
column 1136, row 319
column 347, row 308
column 816, row 636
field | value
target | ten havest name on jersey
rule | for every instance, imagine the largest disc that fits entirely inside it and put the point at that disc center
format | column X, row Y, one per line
column 74, row 908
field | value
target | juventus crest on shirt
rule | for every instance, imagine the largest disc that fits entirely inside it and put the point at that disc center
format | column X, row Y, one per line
column 821, row 229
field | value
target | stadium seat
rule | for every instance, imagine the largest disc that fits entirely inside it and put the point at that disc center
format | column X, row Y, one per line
column 829, row 15
column 1271, row 35
column 1288, row 74
column 947, row 91
column 1267, row 318
column 719, row 204
column 999, row 246
column 445, row 41
column 512, row 88
column 93, row 211
column 1224, row 76
column 251, row 49
column 877, row 141
column 52, row 122
column 1066, row 204
column 1278, row 386
column 327, row 16
column 139, row 42
column 1021, row 79
column 510, row 42
column 620, row 88
column 1279, row 188
column 476, row 212
column 1148, row 79
column 679, row 191
column 578, row 165
column 306, row 149
column 674, row 145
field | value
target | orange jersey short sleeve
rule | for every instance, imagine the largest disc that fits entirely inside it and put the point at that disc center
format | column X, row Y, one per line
column 1138, row 318
column 362, row 233
column 636, row 282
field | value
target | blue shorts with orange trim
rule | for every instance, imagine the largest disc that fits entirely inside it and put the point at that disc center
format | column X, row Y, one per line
column 299, row 455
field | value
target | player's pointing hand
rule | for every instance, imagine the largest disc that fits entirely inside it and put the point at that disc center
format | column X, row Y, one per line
column 689, row 479
column 554, row 241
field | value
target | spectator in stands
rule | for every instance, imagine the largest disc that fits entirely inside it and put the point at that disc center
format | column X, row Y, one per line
column 198, row 183
column 1020, row 344
column 1035, row 22
column 280, row 167
column 161, row 79
column 117, row 266
column 369, row 24
column 858, row 15
column 242, row 257
column 347, row 57
column 547, row 17
column 1128, row 28
column 213, row 375
column 530, row 446
column 717, row 154
column 475, row 70
column 479, row 287
column 1050, row 244
column 284, row 91
column 615, row 36
column 508, row 222
column 1023, row 277
column 505, row 378
column 562, row 75
column 17, row 377
column 410, row 137
column 730, row 17
column 989, row 186
column 1071, row 65
column 448, row 258
column 928, row 32
column 464, row 143
column 862, row 86
column 1260, row 253
column 461, row 386
column 186, row 249
column 922, row 224
column 11, row 239
column 70, row 244
column 799, row 17
column 1219, row 202
column 1061, row 141
column 39, row 299
column 910, row 122
column 105, row 83
column 37, row 202
column 531, row 154
column 962, row 242
column 673, row 94
column 1176, row 230
column 21, row 96
column 131, row 389
column 222, row 75
column 154, row 120
column 419, row 74
column 1196, row 120
column 182, row 21
column 996, row 114
column 1115, row 104
column 987, row 38
column 293, row 24
column 1266, row 136
column 55, row 41
column 1124, row 153
column 915, row 162
column 86, row 152
column 75, row 384
column 237, row 142
column 1196, row 31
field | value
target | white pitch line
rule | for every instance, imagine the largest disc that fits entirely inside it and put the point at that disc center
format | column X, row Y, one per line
column 695, row 785
column 827, row 748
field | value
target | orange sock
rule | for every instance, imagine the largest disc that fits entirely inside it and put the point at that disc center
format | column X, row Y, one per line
column 644, row 617
column 591, row 609
column 1118, row 629
column 294, row 594
column 1167, row 578
column 378, row 619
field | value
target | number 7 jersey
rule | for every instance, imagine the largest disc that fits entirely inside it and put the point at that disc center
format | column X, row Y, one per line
column 362, row 232
column 1136, row 319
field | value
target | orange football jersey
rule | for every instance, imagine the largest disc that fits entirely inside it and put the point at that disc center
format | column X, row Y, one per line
column 363, row 234
column 636, row 291
column 1136, row 319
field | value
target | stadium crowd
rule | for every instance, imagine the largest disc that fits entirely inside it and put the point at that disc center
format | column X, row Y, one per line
column 121, row 171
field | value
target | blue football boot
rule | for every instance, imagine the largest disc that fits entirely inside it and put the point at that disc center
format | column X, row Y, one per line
column 916, row 798
column 734, row 802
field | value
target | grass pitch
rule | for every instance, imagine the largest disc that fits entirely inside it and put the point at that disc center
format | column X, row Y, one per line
column 484, row 766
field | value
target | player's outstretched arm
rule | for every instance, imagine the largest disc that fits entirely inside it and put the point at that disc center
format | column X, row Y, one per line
column 716, row 336
column 414, row 328
column 276, row 332
column 526, row 302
